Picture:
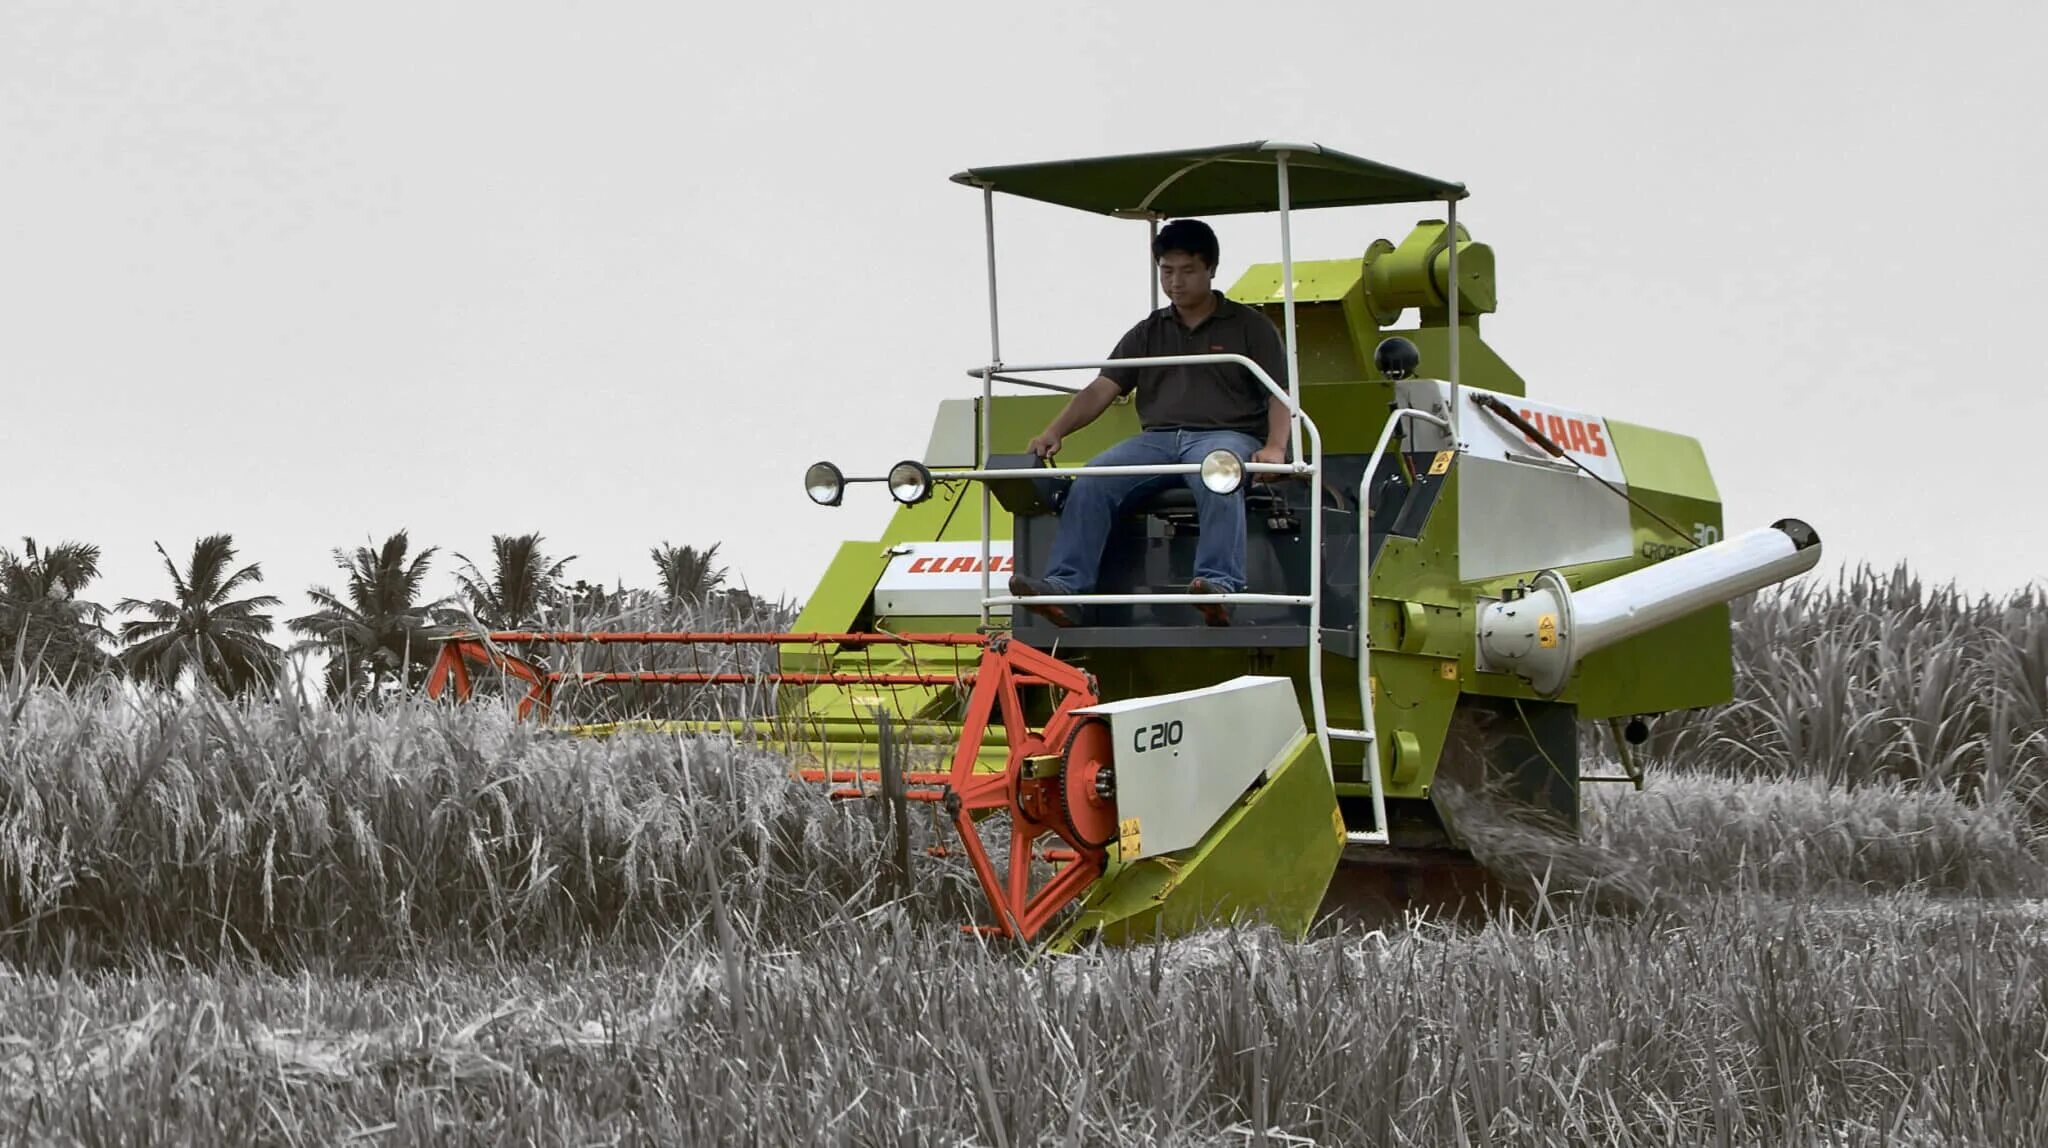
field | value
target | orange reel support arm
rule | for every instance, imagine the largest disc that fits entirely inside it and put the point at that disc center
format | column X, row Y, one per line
column 1033, row 802
column 451, row 668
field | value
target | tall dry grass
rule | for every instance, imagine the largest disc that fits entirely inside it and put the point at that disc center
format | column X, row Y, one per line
column 137, row 822
column 1693, row 834
column 202, row 825
column 1902, row 1021
column 641, row 612
column 1877, row 677
column 439, row 923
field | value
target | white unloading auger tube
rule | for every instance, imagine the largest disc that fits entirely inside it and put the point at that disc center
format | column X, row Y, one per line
column 1543, row 634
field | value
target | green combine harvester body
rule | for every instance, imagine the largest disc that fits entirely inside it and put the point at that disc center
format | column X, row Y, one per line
column 1447, row 598
column 1421, row 622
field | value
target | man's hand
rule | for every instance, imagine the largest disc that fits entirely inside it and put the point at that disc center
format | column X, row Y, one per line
column 1269, row 453
column 1085, row 407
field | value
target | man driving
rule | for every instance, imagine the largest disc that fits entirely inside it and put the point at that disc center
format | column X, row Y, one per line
column 1186, row 412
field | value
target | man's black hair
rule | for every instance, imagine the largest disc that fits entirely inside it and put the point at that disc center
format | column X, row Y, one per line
column 1190, row 236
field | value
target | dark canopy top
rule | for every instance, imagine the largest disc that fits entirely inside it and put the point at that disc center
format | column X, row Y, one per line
column 1225, row 180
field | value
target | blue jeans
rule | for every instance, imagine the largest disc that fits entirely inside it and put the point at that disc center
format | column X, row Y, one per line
column 1094, row 504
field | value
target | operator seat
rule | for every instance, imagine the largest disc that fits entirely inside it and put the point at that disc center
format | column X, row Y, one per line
column 1176, row 502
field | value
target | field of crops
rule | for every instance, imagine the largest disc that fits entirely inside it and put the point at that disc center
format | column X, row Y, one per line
column 283, row 923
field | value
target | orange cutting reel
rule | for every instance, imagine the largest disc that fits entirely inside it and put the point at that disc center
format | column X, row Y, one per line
column 1056, row 781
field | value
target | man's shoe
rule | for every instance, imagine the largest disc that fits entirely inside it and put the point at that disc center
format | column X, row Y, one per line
column 1214, row 613
column 1022, row 587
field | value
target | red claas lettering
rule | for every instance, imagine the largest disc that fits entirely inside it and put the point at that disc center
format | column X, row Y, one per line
column 1575, row 435
column 964, row 565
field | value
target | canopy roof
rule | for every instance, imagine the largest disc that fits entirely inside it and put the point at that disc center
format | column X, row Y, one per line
column 1227, row 180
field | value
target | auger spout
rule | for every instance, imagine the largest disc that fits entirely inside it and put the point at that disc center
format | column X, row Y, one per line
column 1543, row 634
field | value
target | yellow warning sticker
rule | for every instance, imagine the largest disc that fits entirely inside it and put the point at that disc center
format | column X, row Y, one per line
column 1127, row 836
column 1448, row 671
column 1546, row 630
column 1442, row 462
column 1337, row 819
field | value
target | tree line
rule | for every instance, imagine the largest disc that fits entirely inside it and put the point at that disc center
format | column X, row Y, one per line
column 377, row 631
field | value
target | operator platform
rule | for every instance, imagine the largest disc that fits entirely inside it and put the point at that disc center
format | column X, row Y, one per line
column 1188, row 411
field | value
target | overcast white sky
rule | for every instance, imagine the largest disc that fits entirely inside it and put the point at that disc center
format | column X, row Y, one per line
column 311, row 273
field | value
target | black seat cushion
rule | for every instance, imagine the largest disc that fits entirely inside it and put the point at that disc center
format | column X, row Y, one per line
column 1180, row 500
column 1167, row 500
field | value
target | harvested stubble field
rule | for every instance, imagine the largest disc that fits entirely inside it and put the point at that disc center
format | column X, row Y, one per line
column 267, row 922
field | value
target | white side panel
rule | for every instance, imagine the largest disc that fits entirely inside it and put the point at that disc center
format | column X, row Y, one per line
column 1182, row 760
column 1516, row 518
column 936, row 578
column 1583, row 436
column 1519, row 509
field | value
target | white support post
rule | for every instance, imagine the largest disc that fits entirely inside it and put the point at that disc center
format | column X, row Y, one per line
column 995, row 363
column 1296, row 417
column 1287, row 306
column 1152, row 264
column 1452, row 291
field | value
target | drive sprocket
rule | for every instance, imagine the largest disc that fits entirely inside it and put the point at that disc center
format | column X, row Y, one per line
column 1086, row 784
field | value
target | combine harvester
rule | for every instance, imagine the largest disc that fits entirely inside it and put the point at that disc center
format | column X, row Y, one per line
column 1446, row 581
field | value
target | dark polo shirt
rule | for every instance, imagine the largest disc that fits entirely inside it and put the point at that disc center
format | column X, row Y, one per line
column 1206, row 396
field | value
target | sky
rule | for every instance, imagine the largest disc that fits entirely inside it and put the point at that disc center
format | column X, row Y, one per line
column 309, row 274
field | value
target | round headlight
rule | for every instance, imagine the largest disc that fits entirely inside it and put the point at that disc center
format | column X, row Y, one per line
column 910, row 482
column 1222, row 471
column 824, row 484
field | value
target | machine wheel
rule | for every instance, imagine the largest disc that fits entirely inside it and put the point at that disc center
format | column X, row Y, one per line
column 1086, row 774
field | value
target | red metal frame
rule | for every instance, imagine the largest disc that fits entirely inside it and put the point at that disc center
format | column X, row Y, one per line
column 727, row 638
column 1032, row 802
column 451, row 669
column 968, row 793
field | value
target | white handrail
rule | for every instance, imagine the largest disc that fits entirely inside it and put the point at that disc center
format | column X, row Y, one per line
column 1131, row 471
column 1033, row 383
column 1287, row 292
column 1241, row 598
column 1146, row 361
column 995, row 356
column 1370, row 734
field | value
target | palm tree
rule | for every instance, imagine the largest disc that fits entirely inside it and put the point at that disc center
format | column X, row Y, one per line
column 201, row 628
column 376, row 630
column 523, row 582
column 60, row 571
column 687, row 574
column 43, row 622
